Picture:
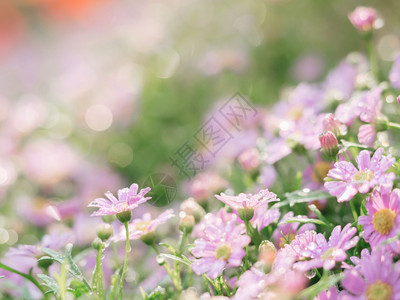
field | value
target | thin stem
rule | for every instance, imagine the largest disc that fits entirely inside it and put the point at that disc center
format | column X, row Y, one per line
column 394, row 125
column 26, row 276
column 98, row 281
column 253, row 233
column 354, row 210
column 125, row 268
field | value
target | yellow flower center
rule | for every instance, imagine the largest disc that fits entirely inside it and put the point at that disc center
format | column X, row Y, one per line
column 328, row 254
column 223, row 251
column 141, row 226
column 383, row 220
column 287, row 239
column 379, row 291
column 320, row 170
column 365, row 175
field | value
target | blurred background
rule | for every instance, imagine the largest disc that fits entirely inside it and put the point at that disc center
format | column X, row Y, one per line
column 97, row 94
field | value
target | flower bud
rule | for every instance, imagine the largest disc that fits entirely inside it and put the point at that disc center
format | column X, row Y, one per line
column 250, row 159
column 104, row 231
column 97, row 243
column 267, row 254
column 329, row 144
column 398, row 100
column 363, row 18
column 191, row 207
column 330, row 123
column 381, row 123
column 186, row 223
column 124, row 216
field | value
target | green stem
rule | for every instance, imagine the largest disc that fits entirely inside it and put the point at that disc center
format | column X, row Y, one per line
column 394, row 125
column 26, row 276
column 125, row 268
column 98, row 281
column 354, row 210
column 253, row 233
column 373, row 62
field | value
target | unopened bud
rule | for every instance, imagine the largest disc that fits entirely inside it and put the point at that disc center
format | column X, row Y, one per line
column 267, row 254
column 104, row 231
column 149, row 238
column 330, row 123
column 381, row 123
column 97, row 243
column 186, row 223
column 191, row 207
column 363, row 18
column 329, row 144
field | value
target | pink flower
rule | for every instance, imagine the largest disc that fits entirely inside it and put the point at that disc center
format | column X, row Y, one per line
column 221, row 247
column 331, row 294
column 285, row 233
column 247, row 201
column 349, row 180
column 128, row 199
column 383, row 219
column 222, row 216
column 329, row 144
column 376, row 278
column 251, row 284
column 249, row 159
column 144, row 226
column 366, row 134
column 363, row 18
column 325, row 253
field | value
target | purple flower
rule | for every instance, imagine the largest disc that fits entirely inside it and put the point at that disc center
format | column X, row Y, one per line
column 383, row 219
column 325, row 253
column 394, row 75
column 349, row 180
column 286, row 233
column 340, row 82
column 128, row 199
column 376, row 278
column 247, row 201
column 287, row 256
column 251, row 284
column 144, row 226
column 331, row 294
column 221, row 247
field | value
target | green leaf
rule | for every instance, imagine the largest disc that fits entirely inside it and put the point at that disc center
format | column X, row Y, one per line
column 169, row 247
column 58, row 257
column 73, row 268
column 305, row 220
column 50, row 283
column 319, row 215
column 78, row 288
column 183, row 260
column 324, row 284
column 301, row 196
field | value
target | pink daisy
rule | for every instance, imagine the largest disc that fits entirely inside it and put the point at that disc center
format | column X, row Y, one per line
column 145, row 226
column 376, row 278
column 363, row 18
column 285, row 233
column 323, row 253
column 221, row 247
column 247, row 202
column 128, row 199
column 348, row 180
column 383, row 219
